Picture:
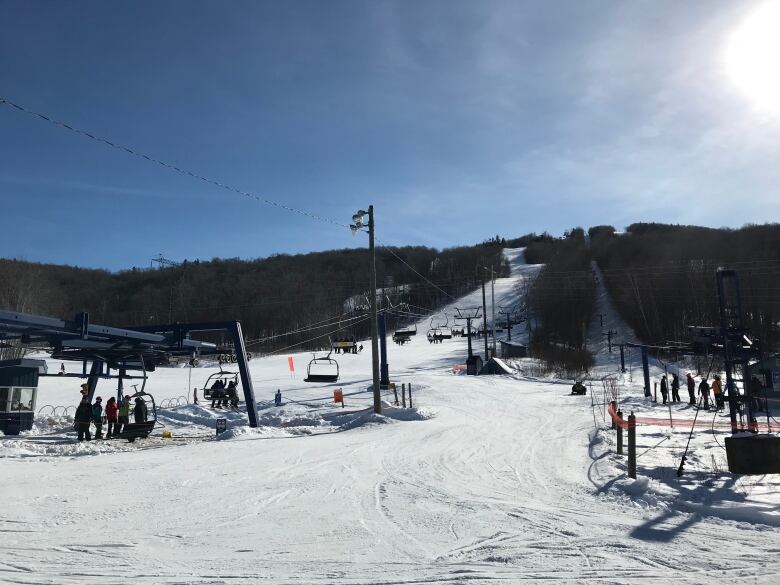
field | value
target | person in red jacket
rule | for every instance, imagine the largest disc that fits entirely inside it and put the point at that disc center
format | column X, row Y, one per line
column 111, row 417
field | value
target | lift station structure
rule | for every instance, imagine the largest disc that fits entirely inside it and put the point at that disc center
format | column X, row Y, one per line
column 121, row 353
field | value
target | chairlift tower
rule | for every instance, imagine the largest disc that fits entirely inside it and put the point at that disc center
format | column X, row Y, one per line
column 163, row 261
column 473, row 364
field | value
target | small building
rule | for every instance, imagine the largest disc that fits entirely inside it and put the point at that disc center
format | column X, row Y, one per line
column 510, row 349
column 767, row 371
column 495, row 366
column 19, row 393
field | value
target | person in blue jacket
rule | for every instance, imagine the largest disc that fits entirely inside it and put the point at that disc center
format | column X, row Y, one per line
column 97, row 417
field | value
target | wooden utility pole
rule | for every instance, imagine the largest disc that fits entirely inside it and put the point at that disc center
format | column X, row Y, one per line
column 374, row 337
column 484, row 318
column 493, row 307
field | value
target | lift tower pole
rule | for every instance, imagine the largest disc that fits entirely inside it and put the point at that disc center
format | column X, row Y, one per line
column 374, row 336
column 493, row 307
column 484, row 318
column 356, row 226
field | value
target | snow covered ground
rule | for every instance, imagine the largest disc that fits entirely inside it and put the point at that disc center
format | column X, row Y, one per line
column 487, row 479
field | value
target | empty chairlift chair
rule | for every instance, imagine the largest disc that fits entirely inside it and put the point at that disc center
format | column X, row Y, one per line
column 323, row 369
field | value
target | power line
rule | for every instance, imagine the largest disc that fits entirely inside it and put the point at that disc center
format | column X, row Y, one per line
column 167, row 165
column 405, row 263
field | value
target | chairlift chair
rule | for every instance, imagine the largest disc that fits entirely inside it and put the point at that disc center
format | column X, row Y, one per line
column 224, row 376
column 407, row 332
column 400, row 338
column 323, row 369
column 140, row 430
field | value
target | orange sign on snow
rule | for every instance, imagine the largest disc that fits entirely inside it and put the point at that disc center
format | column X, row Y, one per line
column 290, row 363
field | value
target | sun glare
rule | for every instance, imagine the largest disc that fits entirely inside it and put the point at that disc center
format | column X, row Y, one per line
column 753, row 56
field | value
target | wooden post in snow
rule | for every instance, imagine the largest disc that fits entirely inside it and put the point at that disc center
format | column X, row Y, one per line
column 632, row 446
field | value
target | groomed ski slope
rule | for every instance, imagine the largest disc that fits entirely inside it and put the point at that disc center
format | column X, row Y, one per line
column 489, row 479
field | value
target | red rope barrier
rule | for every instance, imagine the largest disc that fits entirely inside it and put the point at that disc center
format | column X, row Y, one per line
column 688, row 423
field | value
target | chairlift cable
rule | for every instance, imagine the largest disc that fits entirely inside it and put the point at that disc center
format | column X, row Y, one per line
column 169, row 166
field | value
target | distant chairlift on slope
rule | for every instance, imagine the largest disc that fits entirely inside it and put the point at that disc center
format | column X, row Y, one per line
column 407, row 332
column 323, row 369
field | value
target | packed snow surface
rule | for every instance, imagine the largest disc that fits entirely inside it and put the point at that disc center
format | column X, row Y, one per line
column 496, row 478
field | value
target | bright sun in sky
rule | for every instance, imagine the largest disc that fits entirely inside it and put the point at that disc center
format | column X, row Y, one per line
column 753, row 56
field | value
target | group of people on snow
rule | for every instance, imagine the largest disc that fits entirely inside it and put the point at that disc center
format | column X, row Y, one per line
column 116, row 415
column 671, row 391
column 709, row 393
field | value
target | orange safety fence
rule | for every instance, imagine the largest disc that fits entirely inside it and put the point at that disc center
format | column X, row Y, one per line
column 762, row 425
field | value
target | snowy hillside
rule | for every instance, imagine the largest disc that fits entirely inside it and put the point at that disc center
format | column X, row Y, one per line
column 494, row 478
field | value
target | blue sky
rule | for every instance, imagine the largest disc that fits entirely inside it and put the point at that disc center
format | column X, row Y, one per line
column 457, row 120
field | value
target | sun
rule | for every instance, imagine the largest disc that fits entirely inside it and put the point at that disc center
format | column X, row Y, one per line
column 753, row 56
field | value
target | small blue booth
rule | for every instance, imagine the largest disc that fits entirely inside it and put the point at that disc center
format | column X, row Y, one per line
column 19, row 393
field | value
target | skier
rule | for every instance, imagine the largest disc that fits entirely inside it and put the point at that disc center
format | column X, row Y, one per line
column 97, row 417
column 139, row 412
column 691, row 389
column 278, row 397
column 675, row 388
column 664, row 389
column 124, row 416
column 232, row 395
column 717, row 392
column 83, row 418
column 704, row 391
column 112, row 411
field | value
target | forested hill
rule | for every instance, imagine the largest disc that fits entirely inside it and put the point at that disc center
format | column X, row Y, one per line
column 661, row 278
column 269, row 295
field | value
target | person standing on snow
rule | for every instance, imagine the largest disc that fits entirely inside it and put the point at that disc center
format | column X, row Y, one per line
column 664, row 388
column 97, row 417
column 124, row 416
column 112, row 411
column 139, row 412
column 717, row 393
column 675, row 388
column 704, row 390
column 691, row 389
column 83, row 418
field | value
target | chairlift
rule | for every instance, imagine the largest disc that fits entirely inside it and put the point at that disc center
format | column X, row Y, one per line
column 344, row 345
column 322, row 369
column 140, row 430
column 400, row 338
column 408, row 331
column 435, row 334
column 222, row 379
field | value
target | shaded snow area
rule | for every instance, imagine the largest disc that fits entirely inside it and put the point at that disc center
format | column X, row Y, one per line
column 487, row 479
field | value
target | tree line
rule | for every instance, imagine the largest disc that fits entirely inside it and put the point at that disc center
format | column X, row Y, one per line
column 661, row 278
column 270, row 296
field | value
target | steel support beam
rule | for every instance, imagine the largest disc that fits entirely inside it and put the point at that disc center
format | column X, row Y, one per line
column 243, row 369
